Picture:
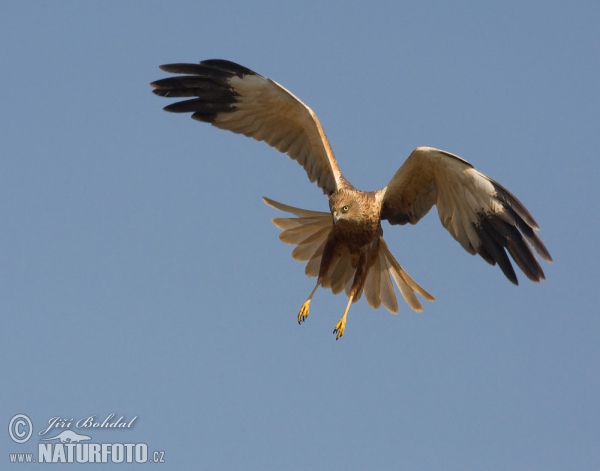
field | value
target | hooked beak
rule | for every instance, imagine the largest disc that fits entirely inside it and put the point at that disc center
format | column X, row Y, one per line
column 336, row 216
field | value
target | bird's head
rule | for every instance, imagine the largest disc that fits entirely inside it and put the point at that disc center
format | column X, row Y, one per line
column 345, row 206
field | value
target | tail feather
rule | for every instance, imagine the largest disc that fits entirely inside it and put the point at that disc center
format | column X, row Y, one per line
column 341, row 274
column 296, row 235
column 388, row 295
column 372, row 287
column 313, row 265
column 291, row 209
column 307, row 248
column 291, row 223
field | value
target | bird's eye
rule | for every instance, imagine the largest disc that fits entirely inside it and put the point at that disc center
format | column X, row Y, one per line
column 345, row 209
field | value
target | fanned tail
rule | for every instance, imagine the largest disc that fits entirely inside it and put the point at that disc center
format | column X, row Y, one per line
column 309, row 231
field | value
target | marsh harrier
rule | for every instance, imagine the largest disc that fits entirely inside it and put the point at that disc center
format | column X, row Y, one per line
column 344, row 247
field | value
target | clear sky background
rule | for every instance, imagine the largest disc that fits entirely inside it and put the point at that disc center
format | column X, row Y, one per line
column 140, row 273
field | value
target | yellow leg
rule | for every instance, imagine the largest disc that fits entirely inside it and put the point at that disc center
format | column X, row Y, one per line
column 341, row 325
column 305, row 309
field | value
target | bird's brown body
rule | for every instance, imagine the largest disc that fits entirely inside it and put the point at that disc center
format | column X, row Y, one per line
column 355, row 231
column 344, row 248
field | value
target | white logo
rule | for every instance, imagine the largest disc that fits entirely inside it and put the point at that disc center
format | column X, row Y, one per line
column 68, row 436
column 20, row 428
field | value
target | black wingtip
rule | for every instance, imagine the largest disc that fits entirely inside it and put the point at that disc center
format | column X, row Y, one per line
column 228, row 66
column 494, row 248
column 180, row 68
column 221, row 66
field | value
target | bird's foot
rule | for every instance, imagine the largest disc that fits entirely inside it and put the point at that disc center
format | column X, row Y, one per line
column 304, row 311
column 340, row 327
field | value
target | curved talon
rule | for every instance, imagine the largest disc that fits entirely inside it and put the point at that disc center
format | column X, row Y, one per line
column 340, row 327
column 304, row 311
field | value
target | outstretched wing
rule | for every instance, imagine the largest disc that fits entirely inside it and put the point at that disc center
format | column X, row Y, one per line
column 232, row 97
column 481, row 215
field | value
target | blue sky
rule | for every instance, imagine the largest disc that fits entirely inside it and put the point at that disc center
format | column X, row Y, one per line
column 141, row 275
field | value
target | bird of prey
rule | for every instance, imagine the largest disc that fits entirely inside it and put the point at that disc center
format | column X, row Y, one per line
column 344, row 247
